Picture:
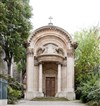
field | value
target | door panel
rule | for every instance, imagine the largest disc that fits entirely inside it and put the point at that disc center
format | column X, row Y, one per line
column 50, row 86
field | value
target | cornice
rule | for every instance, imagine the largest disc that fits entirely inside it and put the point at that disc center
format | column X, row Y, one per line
column 51, row 27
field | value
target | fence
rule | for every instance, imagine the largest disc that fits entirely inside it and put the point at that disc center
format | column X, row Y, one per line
column 3, row 89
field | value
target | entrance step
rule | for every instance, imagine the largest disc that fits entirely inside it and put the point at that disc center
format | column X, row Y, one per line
column 50, row 99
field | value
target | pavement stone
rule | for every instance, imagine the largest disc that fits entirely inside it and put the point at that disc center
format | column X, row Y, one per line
column 48, row 103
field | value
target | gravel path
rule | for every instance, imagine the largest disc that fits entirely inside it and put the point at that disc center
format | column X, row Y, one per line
column 48, row 103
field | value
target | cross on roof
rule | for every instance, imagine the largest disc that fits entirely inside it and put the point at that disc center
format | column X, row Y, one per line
column 50, row 18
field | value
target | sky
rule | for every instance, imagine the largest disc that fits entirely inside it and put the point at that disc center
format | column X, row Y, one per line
column 71, row 15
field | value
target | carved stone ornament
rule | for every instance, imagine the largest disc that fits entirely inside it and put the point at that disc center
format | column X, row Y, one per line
column 50, row 49
column 70, row 53
column 30, row 51
column 75, row 45
column 26, row 44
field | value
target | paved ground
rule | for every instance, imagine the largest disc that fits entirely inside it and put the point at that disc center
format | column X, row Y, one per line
column 49, row 103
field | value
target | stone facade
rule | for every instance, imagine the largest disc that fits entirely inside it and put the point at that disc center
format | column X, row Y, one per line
column 50, row 63
column 3, row 64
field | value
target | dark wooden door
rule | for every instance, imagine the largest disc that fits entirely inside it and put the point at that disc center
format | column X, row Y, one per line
column 50, row 86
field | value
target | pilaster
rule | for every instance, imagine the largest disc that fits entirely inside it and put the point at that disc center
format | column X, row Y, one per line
column 30, row 72
column 70, row 75
column 59, row 93
column 40, row 80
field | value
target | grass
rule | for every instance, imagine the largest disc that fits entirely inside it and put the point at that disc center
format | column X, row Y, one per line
column 49, row 99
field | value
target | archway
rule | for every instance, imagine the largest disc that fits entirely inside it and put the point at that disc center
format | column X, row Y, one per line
column 50, row 79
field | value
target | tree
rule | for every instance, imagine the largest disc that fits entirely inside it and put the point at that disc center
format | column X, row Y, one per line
column 0, row 56
column 87, row 53
column 14, row 29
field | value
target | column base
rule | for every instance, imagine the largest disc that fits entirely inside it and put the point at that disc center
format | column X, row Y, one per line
column 40, row 94
column 68, row 95
column 60, row 94
column 31, row 95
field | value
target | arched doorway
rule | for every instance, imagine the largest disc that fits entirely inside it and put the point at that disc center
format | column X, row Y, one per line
column 50, row 79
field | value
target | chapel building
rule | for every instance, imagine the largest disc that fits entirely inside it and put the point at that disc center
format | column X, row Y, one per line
column 50, row 63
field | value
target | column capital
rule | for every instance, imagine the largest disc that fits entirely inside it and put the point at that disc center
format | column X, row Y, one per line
column 70, row 53
column 30, row 51
column 59, row 63
column 40, row 62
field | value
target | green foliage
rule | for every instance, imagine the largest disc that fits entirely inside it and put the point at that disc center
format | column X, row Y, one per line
column 95, row 95
column 21, row 65
column 90, row 88
column 13, row 95
column 15, row 84
column 0, row 55
column 15, row 89
column 87, row 53
column 14, row 28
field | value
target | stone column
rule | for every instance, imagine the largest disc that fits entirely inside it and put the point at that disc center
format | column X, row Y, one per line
column 40, row 93
column 70, row 75
column 40, row 77
column 29, row 73
column 59, row 78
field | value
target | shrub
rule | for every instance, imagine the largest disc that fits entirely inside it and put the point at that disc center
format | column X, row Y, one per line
column 94, row 95
column 16, row 85
column 15, row 89
column 13, row 95
column 90, row 88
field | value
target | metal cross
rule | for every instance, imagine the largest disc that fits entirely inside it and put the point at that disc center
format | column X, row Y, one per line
column 50, row 19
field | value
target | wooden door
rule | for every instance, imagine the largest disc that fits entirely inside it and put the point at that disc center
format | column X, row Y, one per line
column 50, row 86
